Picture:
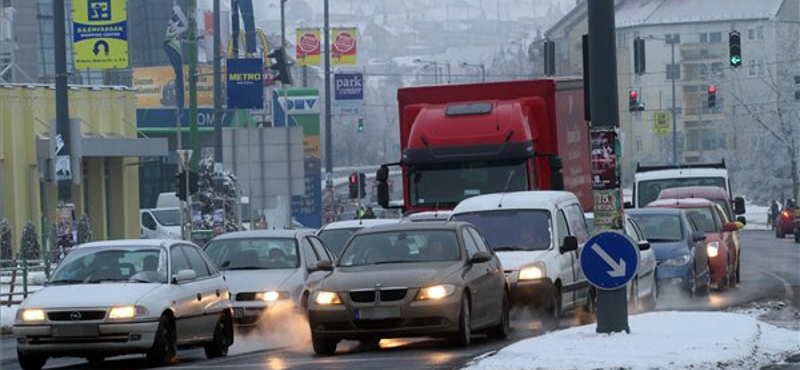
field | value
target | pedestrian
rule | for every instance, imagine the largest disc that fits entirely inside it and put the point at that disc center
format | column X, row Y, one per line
column 369, row 213
column 773, row 213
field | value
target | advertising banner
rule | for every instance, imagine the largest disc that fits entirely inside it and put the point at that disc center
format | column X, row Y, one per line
column 604, row 162
column 308, row 50
column 349, row 86
column 344, row 48
column 100, row 34
column 245, row 83
column 156, row 86
column 661, row 123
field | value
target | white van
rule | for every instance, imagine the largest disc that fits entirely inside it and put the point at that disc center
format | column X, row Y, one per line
column 536, row 235
column 160, row 223
column 170, row 200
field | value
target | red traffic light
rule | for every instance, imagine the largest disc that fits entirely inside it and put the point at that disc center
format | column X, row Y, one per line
column 712, row 89
column 634, row 94
column 353, row 178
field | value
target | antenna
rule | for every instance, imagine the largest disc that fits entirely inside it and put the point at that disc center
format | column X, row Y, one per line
column 505, row 189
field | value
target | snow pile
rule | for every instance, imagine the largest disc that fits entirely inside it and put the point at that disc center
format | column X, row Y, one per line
column 658, row 340
column 756, row 217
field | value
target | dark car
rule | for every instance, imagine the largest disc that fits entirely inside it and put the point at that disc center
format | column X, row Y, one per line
column 410, row 280
column 679, row 245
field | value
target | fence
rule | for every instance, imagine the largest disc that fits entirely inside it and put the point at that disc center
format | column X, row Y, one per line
column 14, row 271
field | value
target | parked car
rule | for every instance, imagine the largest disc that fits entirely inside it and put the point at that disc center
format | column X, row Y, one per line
column 122, row 297
column 679, row 247
column 722, row 248
column 410, row 280
column 265, row 268
column 335, row 234
column 427, row 216
column 160, row 223
column 536, row 235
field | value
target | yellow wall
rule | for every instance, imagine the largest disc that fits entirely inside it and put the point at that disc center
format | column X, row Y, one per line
column 25, row 112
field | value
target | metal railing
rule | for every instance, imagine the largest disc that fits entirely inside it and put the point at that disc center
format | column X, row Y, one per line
column 15, row 278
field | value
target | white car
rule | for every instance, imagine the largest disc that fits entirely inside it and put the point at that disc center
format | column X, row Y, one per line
column 160, row 223
column 265, row 268
column 427, row 216
column 123, row 297
column 336, row 234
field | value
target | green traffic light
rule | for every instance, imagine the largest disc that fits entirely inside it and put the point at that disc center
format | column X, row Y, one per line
column 360, row 127
column 736, row 60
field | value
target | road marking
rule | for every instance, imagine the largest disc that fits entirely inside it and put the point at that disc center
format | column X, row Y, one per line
column 617, row 269
column 787, row 287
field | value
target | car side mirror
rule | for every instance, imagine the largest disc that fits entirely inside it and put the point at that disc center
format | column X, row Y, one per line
column 627, row 205
column 481, row 257
column 738, row 205
column 742, row 220
column 38, row 279
column 324, row 265
column 183, row 276
column 570, row 244
column 730, row 227
column 644, row 245
column 698, row 236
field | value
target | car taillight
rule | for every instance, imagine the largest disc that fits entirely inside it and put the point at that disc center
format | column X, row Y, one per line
column 785, row 214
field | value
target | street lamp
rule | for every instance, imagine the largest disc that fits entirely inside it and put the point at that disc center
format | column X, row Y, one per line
column 435, row 68
column 479, row 66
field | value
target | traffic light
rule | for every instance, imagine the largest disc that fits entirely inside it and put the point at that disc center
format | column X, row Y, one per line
column 281, row 66
column 549, row 57
column 735, row 43
column 712, row 96
column 633, row 101
column 362, row 185
column 360, row 124
column 180, row 184
column 353, row 185
column 638, row 55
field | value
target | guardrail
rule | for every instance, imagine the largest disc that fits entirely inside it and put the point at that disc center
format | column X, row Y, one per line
column 15, row 274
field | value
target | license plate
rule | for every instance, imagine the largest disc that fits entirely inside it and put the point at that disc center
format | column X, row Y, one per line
column 238, row 312
column 377, row 313
column 87, row 330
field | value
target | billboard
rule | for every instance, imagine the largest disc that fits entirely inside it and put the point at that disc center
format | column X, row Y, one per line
column 349, row 86
column 100, row 34
column 155, row 86
column 344, row 48
column 245, row 83
column 307, row 48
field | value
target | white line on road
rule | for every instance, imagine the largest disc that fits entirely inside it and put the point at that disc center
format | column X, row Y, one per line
column 787, row 287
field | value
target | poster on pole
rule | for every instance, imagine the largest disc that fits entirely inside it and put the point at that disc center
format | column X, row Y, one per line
column 245, row 83
column 344, row 45
column 100, row 34
column 604, row 160
column 349, row 87
column 307, row 48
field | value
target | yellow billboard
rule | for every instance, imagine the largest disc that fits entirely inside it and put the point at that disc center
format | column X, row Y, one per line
column 344, row 45
column 661, row 123
column 307, row 48
column 156, row 86
column 100, row 34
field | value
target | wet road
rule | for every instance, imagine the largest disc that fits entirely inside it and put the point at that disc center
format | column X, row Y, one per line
column 770, row 269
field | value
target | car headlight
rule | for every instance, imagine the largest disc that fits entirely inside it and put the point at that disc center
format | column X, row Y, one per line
column 533, row 272
column 126, row 312
column 678, row 261
column 324, row 298
column 713, row 249
column 271, row 296
column 436, row 292
column 32, row 315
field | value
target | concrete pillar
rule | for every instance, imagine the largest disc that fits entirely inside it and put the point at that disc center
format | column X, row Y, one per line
column 96, row 205
column 123, row 198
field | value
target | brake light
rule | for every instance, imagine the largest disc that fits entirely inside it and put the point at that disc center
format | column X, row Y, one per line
column 785, row 214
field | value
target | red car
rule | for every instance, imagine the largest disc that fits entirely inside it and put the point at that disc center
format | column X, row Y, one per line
column 784, row 223
column 723, row 256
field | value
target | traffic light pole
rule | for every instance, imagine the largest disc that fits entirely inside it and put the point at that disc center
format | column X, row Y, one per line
column 191, row 41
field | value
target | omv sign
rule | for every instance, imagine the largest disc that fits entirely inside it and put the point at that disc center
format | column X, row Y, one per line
column 300, row 104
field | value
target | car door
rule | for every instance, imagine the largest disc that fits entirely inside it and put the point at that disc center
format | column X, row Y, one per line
column 479, row 279
column 149, row 226
column 497, row 278
column 185, row 305
column 566, row 271
column 209, row 292
column 322, row 254
column 576, row 221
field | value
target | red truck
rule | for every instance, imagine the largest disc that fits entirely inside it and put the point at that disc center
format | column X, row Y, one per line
column 459, row 141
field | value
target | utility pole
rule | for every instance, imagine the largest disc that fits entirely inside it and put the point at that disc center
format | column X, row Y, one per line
column 217, row 99
column 673, row 77
column 283, row 24
column 62, row 95
column 191, row 41
column 328, row 130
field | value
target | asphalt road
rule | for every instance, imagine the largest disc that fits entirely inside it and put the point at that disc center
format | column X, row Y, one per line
column 770, row 270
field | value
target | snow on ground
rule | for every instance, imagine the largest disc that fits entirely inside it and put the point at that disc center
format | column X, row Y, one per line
column 658, row 340
column 7, row 315
column 756, row 217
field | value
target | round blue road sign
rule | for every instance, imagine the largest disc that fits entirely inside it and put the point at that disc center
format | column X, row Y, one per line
column 609, row 260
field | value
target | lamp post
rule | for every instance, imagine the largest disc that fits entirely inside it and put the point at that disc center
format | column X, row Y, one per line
column 480, row 66
column 435, row 65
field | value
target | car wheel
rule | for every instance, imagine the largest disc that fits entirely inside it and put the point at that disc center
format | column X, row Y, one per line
column 96, row 360
column 220, row 343
column 164, row 349
column 464, row 334
column 31, row 362
column 502, row 329
column 323, row 346
column 552, row 316
column 652, row 299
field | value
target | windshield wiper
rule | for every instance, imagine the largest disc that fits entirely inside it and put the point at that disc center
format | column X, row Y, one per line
column 95, row 281
column 244, row 268
column 395, row 261
column 66, row 281
column 507, row 248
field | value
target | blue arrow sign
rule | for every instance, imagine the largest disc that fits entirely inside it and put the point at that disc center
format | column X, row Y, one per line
column 609, row 260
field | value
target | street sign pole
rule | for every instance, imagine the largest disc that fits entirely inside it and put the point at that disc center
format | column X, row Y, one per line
column 184, row 162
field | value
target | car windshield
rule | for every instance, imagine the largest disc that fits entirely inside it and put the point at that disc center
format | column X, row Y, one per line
column 660, row 227
column 445, row 185
column 335, row 239
column 512, row 229
column 705, row 218
column 401, row 247
column 648, row 191
column 168, row 217
column 101, row 265
column 254, row 254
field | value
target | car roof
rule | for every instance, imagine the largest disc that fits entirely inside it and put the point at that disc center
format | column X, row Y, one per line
column 681, row 203
column 681, row 173
column 133, row 243
column 424, row 225
column 707, row 192
column 654, row 211
column 358, row 224
column 276, row 233
column 515, row 200
column 441, row 215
